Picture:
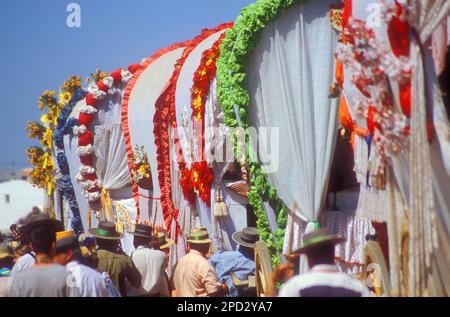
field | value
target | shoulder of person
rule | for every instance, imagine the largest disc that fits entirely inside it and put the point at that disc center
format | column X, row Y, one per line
column 291, row 287
column 158, row 253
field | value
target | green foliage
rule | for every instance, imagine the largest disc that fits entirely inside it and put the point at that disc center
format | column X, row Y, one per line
column 237, row 46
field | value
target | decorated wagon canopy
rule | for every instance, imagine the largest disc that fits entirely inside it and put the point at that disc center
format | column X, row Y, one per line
column 261, row 122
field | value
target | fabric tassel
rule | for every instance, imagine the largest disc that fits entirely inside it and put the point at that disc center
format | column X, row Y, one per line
column 88, row 109
column 79, row 130
column 220, row 208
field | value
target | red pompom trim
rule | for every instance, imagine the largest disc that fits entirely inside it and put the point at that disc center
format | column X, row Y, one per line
column 91, row 101
column 86, row 139
column 117, row 75
column 85, row 119
column 399, row 36
column 101, row 85
column 405, row 98
column 90, row 177
column 133, row 68
column 87, row 160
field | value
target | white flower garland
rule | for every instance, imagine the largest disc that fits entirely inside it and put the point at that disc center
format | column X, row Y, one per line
column 96, row 92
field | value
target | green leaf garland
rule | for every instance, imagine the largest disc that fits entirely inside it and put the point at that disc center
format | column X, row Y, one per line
column 237, row 46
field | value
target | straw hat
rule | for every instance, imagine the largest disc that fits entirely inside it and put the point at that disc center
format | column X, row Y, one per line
column 142, row 230
column 247, row 237
column 160, row 239
column 38, row 219
column 66, row 240
column 199, row 236
column 317, row 239
column 106, row 230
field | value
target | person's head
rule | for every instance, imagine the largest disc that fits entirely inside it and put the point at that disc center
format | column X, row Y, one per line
column 203, row 248
column 142, row 235
column 21, row 250
column 106, row 236
column 323, row 254
column 109, row 245
column 246, row 240
column 43, row 240
column 140, row 241
column 246, row 250
column 63, row 256
column 161, row 242
column 66, row 247
column 199, row 240
column 319, row 247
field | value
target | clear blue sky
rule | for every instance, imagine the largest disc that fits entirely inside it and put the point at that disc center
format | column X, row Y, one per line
column 38, row 51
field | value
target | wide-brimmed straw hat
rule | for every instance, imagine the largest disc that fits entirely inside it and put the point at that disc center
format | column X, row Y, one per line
column 106, row 230
column 199, row 236
column 160, row 239
column 247, row 237
column 39, row 219
column 142, row 230
column 66, row 240
column 317, row 239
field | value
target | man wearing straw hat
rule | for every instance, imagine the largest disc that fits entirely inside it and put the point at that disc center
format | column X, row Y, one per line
column 86, row 282
column 119, row 267
column 194, row 276
column 324, row 279
column 150, row 262
column 237, row 268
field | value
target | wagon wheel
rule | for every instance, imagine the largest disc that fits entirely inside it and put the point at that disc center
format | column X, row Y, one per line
column 376, row 270
column 263, row 268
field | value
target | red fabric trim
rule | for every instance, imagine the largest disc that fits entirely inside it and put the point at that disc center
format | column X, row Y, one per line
column 165, row 115
column 125, row 102
column 201, row 174
column 348, row 263
column 149, row 198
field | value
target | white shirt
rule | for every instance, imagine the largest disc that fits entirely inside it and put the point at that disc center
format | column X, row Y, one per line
column 24, row 262
column 86, row 282
column 152, row 265
column 323, row 281
column 5, row 286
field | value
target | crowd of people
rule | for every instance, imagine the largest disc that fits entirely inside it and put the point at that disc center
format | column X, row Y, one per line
column 43, row 260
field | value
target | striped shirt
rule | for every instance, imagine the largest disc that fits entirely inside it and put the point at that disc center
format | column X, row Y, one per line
column 323, row 281
column 24, row 262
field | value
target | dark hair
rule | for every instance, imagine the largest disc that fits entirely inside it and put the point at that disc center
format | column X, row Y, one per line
column 109, row 245
column 203, row 248
column 42, row 240
column 323, row 254
column 141, row 241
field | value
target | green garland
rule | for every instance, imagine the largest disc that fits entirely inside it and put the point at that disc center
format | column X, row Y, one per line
column 237, row 46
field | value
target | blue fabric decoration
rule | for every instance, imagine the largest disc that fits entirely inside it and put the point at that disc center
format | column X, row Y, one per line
column 65, row 125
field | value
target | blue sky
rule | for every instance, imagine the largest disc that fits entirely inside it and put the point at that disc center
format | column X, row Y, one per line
column 38, row 51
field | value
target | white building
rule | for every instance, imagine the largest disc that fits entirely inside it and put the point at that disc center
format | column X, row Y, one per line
column 17, row 199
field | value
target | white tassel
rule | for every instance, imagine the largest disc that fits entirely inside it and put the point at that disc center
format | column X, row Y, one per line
column 85, row 169
column 85, row 150
column 88, row 109
column 108, row 81
column 79, row 130
column 92, row 197
column 220, row 208
column 97, row 93
column 79, row 178
column 126, row 76
column 88, row 185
